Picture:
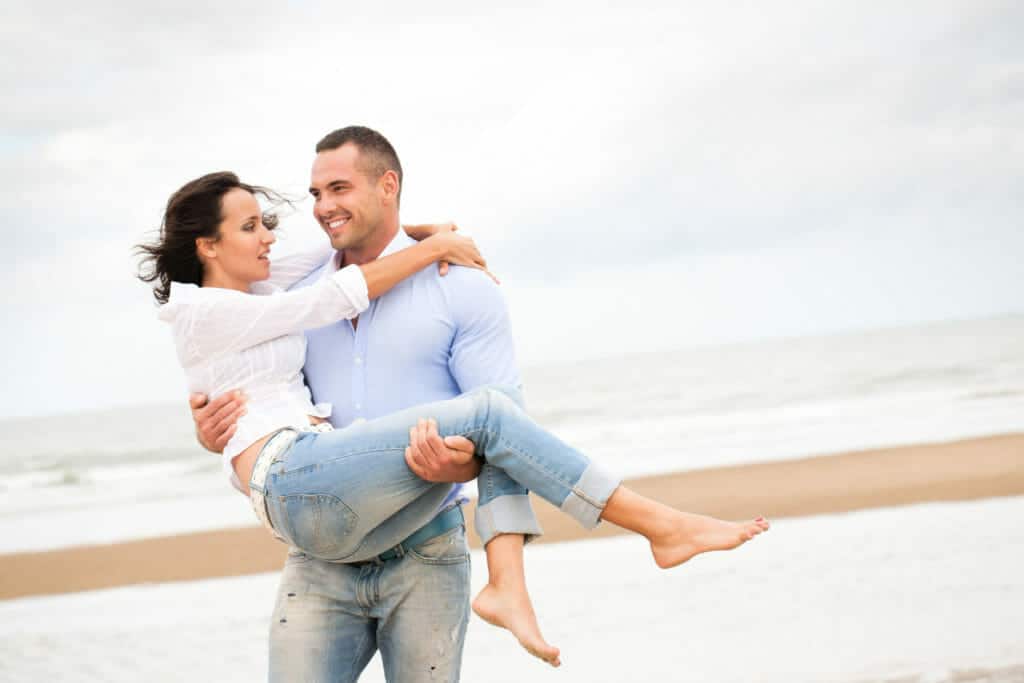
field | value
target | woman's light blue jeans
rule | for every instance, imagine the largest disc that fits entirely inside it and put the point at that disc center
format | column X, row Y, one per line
column 348, row 495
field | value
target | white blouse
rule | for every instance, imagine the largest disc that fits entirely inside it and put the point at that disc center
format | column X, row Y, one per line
column 226, row 339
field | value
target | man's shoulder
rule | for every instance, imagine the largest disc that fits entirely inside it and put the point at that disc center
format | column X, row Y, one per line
column 470, row 289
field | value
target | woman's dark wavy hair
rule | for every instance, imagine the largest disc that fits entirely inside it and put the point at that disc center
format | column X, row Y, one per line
column 193, row 211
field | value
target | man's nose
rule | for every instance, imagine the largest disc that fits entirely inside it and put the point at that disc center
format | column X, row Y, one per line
column 324, row 206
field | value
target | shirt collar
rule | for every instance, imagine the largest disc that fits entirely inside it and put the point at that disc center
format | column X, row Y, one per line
column 399, row 242
column 183, row 292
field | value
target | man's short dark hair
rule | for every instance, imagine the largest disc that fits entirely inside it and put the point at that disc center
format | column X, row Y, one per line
column 376, row 154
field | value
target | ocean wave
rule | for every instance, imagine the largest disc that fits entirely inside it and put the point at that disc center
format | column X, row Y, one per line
column 81, row 474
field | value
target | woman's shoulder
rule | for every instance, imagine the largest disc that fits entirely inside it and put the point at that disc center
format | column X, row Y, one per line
column 186, row 297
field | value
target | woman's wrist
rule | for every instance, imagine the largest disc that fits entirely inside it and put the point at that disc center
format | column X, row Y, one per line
column 420, row 232
column 435, row 247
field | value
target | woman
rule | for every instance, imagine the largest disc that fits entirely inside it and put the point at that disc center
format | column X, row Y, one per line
column 346, row 495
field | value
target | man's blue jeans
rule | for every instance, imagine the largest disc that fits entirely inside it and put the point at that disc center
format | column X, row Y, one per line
column 347, row 496
column 330, row 618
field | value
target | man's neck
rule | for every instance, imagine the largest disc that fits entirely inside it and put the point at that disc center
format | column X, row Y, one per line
column 373, row 247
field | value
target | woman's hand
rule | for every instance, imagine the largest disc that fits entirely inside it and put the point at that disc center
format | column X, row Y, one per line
column 422, row 232
column 460, row 250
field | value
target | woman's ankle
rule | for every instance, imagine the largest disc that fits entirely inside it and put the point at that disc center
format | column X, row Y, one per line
column 639, row 514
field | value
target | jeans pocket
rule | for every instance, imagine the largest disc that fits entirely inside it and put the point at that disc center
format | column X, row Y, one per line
column 447, row 548
column 319, row 525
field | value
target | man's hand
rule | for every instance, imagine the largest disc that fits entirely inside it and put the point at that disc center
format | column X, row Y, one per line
column 216, row 420
column 447, row 460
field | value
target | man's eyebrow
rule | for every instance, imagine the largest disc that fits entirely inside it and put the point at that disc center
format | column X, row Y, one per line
column 339, row 181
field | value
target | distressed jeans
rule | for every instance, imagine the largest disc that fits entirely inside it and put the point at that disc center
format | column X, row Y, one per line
column 347, row 496
column 330, row 618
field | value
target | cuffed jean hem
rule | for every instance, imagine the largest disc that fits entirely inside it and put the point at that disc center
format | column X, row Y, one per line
column 589, row 495
column 507, row 514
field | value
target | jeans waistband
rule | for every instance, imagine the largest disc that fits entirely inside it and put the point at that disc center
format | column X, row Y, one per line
column 274, row 447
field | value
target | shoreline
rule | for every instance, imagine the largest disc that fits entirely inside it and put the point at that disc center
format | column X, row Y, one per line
column 969, row 469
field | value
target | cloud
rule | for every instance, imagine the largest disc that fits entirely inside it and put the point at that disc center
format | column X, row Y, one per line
column 576, row 142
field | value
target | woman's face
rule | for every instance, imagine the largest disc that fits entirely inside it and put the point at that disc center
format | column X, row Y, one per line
column 242, row 251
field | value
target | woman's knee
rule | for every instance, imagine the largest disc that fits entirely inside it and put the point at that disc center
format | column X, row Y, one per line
column 503, row 397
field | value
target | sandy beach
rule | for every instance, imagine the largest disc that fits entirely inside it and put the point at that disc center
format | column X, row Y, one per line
column 924, row 593
column 962, row 470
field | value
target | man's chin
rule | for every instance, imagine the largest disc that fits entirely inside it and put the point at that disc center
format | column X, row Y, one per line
column 340, row 242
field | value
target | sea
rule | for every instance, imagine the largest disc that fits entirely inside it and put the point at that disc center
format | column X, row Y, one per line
column 929, row 593
column 136, row 472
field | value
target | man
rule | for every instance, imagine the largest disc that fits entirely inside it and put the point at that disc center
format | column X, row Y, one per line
column 428, row 339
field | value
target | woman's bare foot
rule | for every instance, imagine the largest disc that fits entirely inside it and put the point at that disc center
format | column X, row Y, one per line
column 512, row 610
column 689, row 534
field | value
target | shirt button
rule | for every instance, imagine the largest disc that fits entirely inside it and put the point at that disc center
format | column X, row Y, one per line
column 359, row 406
column 359, row 361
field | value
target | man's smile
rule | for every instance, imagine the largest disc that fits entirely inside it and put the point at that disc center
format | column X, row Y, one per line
column 336, row 223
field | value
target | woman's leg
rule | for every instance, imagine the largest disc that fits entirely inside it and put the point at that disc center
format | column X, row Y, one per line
column 365, row 463
column 348, row 495
column 508, row 439
column 676, row 536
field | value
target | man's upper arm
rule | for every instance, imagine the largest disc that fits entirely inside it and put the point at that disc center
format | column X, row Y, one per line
column 482, row 350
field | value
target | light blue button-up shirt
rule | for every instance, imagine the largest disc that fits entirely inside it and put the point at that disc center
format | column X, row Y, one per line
column 430, row 338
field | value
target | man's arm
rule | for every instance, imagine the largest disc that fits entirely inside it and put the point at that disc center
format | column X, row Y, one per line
column 482, row 353
column 483, row 350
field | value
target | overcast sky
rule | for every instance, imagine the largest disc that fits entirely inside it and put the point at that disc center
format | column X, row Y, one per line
column 654, row 176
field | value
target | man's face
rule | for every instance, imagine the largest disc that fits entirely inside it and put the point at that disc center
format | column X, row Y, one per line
column 347, row 203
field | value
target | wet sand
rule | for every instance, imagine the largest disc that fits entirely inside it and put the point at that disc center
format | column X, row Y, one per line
column 962, row 470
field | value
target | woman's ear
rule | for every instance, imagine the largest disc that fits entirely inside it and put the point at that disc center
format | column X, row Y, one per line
column 206, row 247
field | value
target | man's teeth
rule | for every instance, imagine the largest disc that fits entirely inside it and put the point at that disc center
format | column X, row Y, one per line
column 337, row 223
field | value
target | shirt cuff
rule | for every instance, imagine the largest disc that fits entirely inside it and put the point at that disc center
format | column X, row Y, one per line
column 352, row 283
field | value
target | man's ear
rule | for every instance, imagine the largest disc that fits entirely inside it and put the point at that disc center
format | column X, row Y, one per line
column 389, row 185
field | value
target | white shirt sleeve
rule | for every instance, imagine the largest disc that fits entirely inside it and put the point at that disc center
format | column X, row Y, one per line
column 225, row 321
column 287, row 270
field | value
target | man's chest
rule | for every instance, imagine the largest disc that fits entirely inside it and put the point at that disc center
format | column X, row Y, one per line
column 396, row 356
